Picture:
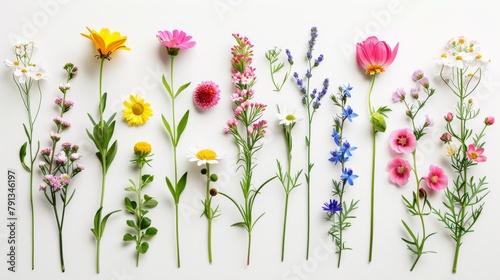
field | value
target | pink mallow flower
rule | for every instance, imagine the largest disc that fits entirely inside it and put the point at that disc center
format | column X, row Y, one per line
column 403, row 140
column 436, row 179
column 399, row 171
column 206, row 95
column 374, row 55
column 475, row 154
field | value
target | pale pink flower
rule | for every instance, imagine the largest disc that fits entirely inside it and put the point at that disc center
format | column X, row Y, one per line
column 374, row 55
column 399, row 171
column 403, row 140
column 398, row 95
column 475, row 154
column 436, row 179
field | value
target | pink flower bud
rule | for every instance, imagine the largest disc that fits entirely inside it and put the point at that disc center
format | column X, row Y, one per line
column 446, row 137
column 489, row 120
column 448, row 117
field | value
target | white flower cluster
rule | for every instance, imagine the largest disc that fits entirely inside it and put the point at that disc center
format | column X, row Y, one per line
column 24, row 70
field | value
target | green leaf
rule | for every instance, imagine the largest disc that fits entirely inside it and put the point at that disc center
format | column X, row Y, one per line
column 130, row 189
column 181, row 88
column 150, row 203
column 103, row 100
column 105, row 220
column 97, row 218
column 143, row 248
column 150, row 232
column 128, row 237
column 131, row 224
column 167, row 86
column 167, row 127
column 181, row 185
column 146, row 179
column 22, row 156
column 182, row 125
column 130, row 205
column 145, row 223
column 239, row 224
column 111, row 154
column 172, row 190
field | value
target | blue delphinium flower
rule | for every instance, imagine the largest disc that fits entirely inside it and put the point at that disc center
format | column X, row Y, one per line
column 347, row 149
column 332, row 206
column 349, row 113
column 348, row 175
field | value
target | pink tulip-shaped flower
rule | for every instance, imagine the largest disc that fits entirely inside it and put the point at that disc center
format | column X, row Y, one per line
column 436, row 179
column 399, row 171
column 175, row 40
column 374, row 55
column 475, row 154
column 403, row 140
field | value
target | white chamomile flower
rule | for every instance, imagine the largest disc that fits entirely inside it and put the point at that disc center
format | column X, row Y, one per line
column 287, row 118
column 203, row 156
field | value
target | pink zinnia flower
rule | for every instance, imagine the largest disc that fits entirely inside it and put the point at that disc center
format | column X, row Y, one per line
column 175, row 40
column 436, row 179
column 475, row 154
column 399, row 171
column 403, row 140
column 206, row 95
column 374, row 55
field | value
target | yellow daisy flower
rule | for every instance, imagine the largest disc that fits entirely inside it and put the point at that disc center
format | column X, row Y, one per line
column 106, row 42
column 136, row 112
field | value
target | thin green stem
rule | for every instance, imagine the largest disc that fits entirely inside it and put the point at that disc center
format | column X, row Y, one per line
column 209, row 214
column 374, row 151
column 177, row 234
column 210, row 240
column 138, row 213
column 98, row 255
column 420, row 248
column 249, row 246
column 308, row 177
column 284, row 227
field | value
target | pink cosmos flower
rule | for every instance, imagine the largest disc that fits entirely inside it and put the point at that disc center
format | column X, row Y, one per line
column 436, row 179
column 475, row 154
column 374, row 55
column 175, row 40
column 403, row 140
column 399, row 171
column 206, row 95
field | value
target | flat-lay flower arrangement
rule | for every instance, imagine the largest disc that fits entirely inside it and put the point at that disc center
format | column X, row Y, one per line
column 51, row 164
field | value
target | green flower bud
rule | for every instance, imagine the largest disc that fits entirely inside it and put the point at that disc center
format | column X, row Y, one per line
column 378, row 122
column 204, row 171
column 214, row 177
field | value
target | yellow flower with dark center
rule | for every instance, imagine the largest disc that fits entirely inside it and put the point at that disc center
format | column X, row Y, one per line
column 136, row 112
column 107, row 42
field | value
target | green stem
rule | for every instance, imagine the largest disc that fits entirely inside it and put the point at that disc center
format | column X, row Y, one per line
column 284, row 227
column 101, row 105
column 98, row 255
column 138, row 213
column 209, row 214
column 210, row 240
column 249, row 245
column 419, row 210
column 374, row 145
column 177, row 234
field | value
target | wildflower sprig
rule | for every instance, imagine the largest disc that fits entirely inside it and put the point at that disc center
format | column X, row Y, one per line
column 208, row 157
column 173, row 42
column 141, row 203
column 311, row 98
column 288, row 181
column 462, row 67
column 26, row 74
column 59, row 168
column 275, row 66
column 106, row 43
column 338, row 211
column 418, row 205
column 248, row 115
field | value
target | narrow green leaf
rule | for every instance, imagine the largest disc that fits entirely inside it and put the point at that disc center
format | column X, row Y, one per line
column 103, row 100
column 167, row 127
column 181, row 88
column 22, row 156
column 130, row 189
column 105, row 220
column 239, row 224
column 111, row 154
column 172, row 190
column 181, row 185
column 182, row 125
column 97, row 219
column 167, row 86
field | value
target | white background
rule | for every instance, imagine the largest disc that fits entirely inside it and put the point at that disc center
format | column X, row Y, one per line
column 421, row 28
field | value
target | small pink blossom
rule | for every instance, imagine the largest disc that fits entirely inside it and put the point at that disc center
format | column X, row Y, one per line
column 399, row 171
column 417, row 75
column 206, row 95
column 475, row 154
column 489, row 120
column 403, row 140
column 374, row 55
column 448, row 117
column 61, row 158
column 46, row 151
column 398, row 95
column 74, row 156
column 436, row 179
column 428, row 121
column 55, row 136
column 446, row 137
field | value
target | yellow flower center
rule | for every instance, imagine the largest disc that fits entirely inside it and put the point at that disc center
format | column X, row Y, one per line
column 444, row 55
column 290, row 117
column 206, row 155
column 38, row 74
column 473, row 155
column 479, row 56
column 137, row 109
column 471, row 49
column 142, row 148
column 24, row 70
column 459, row 57
column 374, row 69
column 469, row 75
column 461, row 41
column 16, row 63
column 434, row 179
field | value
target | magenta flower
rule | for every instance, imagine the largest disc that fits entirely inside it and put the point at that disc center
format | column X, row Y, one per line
column 399, row 171
column 374, row 55
column 403, row 140
column 436, row 179
column 489, row 120
column 206, row 95
column 475, row 154
column 175, row 40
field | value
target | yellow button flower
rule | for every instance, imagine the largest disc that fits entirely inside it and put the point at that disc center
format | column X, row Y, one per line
column 136, row 112
column 106, row 42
